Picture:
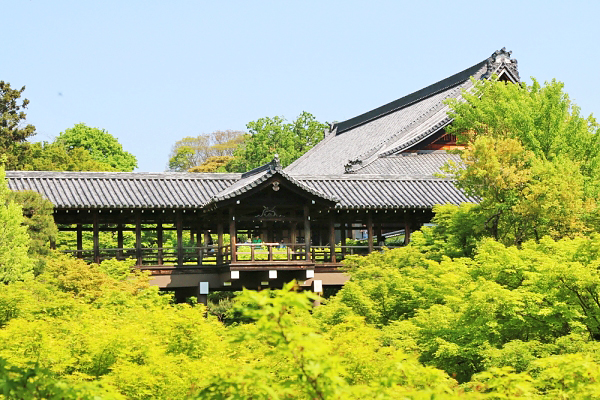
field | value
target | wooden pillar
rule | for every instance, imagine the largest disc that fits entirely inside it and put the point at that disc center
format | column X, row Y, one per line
column 343, row 234
column 79, row 241
column 406, row 231
column 232, row 234
column 219, row 239
column 331, row 239
column 96, row 238
column 378, row 233
column 179, row 225
column 206, row 239
column 138, row 239
column 370, row 231
column 120, row 241
column 270, row 232
column 293, row 227
column 307, row 232
column 201, row 241
column 159, row 243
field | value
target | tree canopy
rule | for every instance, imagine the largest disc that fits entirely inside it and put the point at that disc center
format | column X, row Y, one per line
column 102, row 146
column 15, row 263
column 53, row 156
column 530, row 157
column 270, row 136
column 206, row 152
column 13, row 134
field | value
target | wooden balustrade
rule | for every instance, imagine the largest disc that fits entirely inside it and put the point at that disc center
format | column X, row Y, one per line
column 256, row 252
column 211, row 255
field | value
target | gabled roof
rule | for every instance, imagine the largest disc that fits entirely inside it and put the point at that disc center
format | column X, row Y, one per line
column 254, row 178
column 105, row 190
column 388, row 192
column 122, row 189
column 396, row 126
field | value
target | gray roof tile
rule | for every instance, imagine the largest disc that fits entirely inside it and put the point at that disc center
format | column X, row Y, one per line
column 409, row 164
column 124, row 190
column 367, row 191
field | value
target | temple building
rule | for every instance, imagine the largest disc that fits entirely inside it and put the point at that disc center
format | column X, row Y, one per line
column 370, row 181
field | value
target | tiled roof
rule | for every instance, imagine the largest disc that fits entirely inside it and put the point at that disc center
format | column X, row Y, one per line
column 181, row 190
column 330, row 156
column 365, row 191
column 253, row 178
column 409, row 164
column 396, row 126
column 122, row 190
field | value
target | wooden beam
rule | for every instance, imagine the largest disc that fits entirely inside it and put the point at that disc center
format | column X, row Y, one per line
column 343, row 237
column 232, row 234
column 331, row 239
column 159, row 242
column 120, row 242
column 179, row 225
column 219, row 239
column 79, row 241
column 138, row 240
column 96, row 237
column 293, row 228
column 201, row 238
column 307, row 232
column 370, row 231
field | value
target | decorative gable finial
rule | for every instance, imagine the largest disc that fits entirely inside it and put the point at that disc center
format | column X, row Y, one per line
column 352, row 166
column 276, row 163
column 501, row 58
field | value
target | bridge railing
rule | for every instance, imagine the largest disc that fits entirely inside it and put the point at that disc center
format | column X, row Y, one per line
column 216, row 255
column 256, row 252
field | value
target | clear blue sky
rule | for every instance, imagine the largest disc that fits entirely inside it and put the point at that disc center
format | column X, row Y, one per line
column 152, row 72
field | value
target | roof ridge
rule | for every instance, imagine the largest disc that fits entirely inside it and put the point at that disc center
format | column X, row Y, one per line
column 370, row 177
column 120, row 175
column 411, row 98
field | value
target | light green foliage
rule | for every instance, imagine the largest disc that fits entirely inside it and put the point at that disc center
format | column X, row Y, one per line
column 270, row 136
column 213, row 164
column 55, row 156
column 504, row 315
column 206, row 152
column 455, row 232
column 523, row 196
column 38, row 219
column 542, row 118
column 15, row 263
column 13, row 134
column 299, row 360
column 37, row 383
column 530, row 158
column 505, row 307
column 102, row 146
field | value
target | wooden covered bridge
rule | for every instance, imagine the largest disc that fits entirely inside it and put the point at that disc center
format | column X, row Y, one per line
column 372, row 175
